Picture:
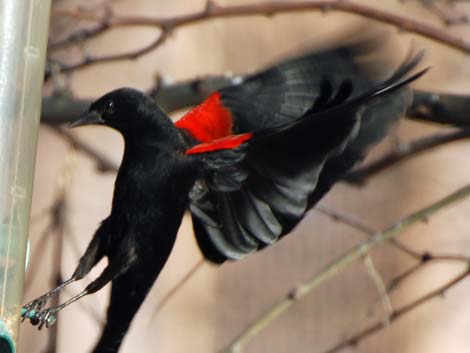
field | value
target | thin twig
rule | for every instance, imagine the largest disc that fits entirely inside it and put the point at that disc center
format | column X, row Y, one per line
column 131, row 55
column 364, row 228
column 380, row 285
column 426, row 258
column 405, row 151
column 345, row 219
column 395, row 282
column 103, row 163
column 449, row 15
column 357, row 252
column 79, row 36
column 40, row 215
column 176, row 288
column 396, row 314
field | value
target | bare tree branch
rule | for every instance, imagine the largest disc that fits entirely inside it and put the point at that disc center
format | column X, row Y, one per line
column 214, row 11
column 59, row 109
column 452, row 109
column 423, row 257
column 403, row 152
column 357, row 252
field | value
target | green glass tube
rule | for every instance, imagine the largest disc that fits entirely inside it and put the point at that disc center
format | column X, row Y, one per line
column 23, row 38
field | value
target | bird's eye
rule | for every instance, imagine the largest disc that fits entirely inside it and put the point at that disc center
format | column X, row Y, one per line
column 109, row 106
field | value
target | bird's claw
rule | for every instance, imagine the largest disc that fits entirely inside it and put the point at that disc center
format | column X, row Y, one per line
column 36, row 315
column 46, row 317
column 31, row 309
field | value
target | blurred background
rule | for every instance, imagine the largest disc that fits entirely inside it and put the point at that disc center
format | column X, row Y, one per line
column 73, row 191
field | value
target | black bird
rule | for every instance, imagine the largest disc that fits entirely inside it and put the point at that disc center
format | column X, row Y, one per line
column 248, row 162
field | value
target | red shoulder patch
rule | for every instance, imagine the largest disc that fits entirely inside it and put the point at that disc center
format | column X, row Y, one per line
column 223, row 143
column 208, row 121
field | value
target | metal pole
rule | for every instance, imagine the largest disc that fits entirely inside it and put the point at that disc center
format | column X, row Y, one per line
column 23, row 36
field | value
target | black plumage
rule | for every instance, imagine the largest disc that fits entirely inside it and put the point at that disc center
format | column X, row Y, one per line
column 309, row 146
column 307, row 126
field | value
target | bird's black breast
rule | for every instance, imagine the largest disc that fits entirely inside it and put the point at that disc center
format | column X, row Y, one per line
column 151, row 191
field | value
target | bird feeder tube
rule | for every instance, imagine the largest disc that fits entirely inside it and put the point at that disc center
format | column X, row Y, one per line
column 23, row 37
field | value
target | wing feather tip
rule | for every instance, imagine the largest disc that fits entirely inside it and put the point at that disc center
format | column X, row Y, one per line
column 224, row 143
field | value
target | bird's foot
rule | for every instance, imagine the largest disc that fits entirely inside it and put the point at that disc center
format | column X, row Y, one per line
column 30, row 310
column 35, row 313
column 41, row 317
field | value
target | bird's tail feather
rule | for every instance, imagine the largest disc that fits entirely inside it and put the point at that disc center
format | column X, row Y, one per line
column 326, row 110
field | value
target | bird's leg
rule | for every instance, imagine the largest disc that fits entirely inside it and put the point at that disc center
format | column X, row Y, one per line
column 117, row 266
column 30, row 309
column 93, row 254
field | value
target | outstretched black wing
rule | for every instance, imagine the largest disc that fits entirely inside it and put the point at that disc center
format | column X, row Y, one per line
column 308, row 128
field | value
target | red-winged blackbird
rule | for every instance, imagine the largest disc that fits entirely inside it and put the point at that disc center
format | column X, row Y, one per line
column 248, row 162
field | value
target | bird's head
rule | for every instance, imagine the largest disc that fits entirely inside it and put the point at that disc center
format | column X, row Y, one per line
column 126, row 110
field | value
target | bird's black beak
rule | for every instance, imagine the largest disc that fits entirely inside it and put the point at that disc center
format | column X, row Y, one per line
column 88, row 118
